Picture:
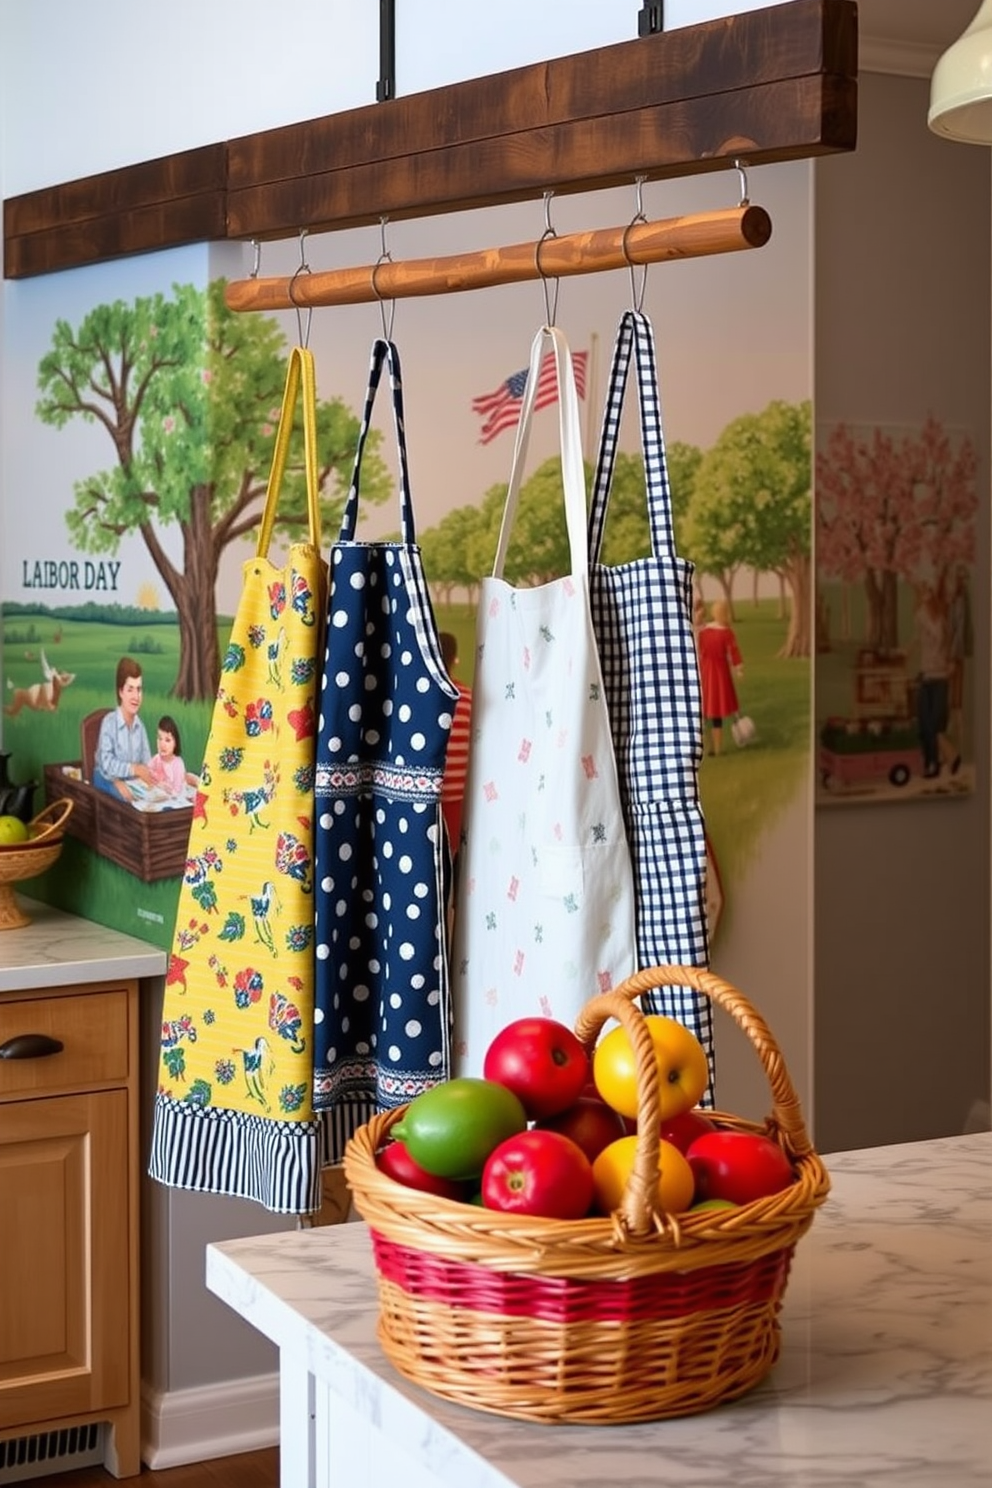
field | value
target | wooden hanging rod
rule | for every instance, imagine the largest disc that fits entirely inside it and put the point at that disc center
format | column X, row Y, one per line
column 768, row 85
column 591, row 252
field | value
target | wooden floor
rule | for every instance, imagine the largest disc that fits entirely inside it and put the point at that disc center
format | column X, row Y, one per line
column 250, row 1470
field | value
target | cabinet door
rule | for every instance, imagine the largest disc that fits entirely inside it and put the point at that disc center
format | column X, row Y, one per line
column 64, row 1249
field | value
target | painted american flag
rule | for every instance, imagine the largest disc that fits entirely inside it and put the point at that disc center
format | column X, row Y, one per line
column 500, row 409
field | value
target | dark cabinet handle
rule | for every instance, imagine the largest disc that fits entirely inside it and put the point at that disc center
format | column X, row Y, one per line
column 30, row 1046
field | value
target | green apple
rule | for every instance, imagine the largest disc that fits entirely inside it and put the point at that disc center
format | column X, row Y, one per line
column 12, row 830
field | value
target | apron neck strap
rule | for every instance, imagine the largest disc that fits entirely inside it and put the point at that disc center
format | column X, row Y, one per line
column 299, row 375
column 383, row 352
column 572, row 468
column 634, row 335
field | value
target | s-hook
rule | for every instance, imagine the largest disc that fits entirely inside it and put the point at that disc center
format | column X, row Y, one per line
column 741, row 170
column 636, row 295
column 302, row 268
column 384, row 257
column 550, row 296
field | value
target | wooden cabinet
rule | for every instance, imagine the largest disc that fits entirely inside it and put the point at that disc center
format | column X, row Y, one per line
column 69, row 1172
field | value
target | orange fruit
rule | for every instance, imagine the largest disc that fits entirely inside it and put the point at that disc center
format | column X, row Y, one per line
column 612, row 1168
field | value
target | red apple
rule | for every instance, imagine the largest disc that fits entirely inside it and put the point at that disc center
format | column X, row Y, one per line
column 683, row 1129
column 739, row 1166
column 540, row 1173
column 541, row 1061
column 591, row 1124
column 395, row 1161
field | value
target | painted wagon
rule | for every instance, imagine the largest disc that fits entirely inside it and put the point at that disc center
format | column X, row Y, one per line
column 861, row 751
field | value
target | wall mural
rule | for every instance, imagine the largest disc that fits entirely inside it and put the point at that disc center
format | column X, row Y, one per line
column 145, row 412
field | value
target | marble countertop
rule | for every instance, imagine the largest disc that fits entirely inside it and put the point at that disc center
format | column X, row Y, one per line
column 885, row 1375
column 64, row 950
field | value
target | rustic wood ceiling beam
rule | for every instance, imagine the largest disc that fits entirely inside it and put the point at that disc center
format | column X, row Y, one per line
column 165, row 203
column 768, row 85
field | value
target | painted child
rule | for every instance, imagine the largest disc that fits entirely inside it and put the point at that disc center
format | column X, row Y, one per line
column 166, row 767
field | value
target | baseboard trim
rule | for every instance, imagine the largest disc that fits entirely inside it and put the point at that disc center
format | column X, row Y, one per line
column 183, row 1426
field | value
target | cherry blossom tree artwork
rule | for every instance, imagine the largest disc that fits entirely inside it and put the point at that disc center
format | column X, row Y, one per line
column 895, row 523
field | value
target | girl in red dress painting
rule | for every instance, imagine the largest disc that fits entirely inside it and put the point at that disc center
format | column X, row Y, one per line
column 719, row 662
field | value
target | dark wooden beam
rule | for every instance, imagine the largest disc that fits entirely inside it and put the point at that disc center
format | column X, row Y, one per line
column 163, row 203
column 769, row 85
column 774, row 84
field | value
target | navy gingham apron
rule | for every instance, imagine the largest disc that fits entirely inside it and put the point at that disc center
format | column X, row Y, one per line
column 382, row 1005
column 642, row 615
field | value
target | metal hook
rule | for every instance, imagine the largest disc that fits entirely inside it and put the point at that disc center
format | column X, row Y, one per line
column 256, row 262
column 384, row 257
column 550, row 295
column 304, row 268
column 742, row 174
column 636, row 295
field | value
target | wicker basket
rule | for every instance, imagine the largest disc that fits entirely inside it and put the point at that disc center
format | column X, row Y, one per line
column 20, row 860
column 634, row 1317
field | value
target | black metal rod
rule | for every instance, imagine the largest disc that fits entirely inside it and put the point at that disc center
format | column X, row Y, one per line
column 651, row 18
column 386, row 86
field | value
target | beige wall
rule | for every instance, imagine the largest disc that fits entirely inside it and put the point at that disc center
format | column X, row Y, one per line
column 901, row 896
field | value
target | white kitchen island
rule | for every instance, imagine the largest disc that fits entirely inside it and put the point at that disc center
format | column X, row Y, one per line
column 885, row 1376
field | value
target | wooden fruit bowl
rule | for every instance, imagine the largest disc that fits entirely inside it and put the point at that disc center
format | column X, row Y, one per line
column 21, row 860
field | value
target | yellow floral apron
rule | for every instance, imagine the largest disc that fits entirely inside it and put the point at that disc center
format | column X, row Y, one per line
column 234, row 1108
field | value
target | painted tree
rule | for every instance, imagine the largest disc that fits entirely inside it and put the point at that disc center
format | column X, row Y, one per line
column 862, row 483
column 751, row 508
column 189, row 393
column 628, row 534
column 447, row 553
column 945, row 508
column 893, row 508
column 538, row 546
column 684, row 461
column 459, row 551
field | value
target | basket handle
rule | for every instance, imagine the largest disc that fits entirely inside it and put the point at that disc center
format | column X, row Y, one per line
column 50, row 819
column 637, row 1209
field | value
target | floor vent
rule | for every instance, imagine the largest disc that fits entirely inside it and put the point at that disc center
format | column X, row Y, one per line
column 48, row 1452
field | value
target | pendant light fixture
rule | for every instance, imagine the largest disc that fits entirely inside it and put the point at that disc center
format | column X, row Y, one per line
column 961, row 86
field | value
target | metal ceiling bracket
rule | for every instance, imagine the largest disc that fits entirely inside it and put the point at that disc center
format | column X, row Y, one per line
column 651, row 18
column 385, row 88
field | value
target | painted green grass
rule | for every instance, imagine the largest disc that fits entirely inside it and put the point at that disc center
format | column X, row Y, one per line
column 742, row 791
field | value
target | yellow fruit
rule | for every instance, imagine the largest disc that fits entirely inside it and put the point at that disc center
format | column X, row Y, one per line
column 612, row 1168
column 683, row 1069
column 12, row 829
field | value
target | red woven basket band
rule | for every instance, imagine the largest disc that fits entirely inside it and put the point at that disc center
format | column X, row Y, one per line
column 553, row 1299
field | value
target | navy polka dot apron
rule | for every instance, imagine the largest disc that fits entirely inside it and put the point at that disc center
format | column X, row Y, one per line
column 382, row 1006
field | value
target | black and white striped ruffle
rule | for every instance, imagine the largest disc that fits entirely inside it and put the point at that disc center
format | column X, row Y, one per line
column 213, row 1150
